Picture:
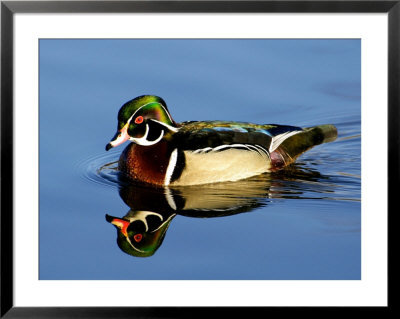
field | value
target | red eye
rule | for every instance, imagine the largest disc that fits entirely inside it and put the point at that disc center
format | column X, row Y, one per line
column 139, row 119
column 138, row 237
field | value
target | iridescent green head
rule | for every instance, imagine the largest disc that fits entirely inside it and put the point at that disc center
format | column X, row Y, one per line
column 136, row 236
column 144, row 120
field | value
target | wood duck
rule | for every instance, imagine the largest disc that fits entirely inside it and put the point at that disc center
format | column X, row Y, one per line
column 166, row 153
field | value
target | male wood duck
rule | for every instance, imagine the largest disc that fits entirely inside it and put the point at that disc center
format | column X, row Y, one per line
column 164, row 152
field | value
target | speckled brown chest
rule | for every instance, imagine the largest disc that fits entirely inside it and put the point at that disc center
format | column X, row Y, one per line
column 145, row 163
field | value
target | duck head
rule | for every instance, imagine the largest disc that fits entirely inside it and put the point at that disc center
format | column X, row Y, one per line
column 140, row 233
column 145, row 120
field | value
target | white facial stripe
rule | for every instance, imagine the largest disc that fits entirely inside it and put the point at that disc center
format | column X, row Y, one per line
column 166, row 221
column 130, row 119
column 171, row 128
column 166, row 111
column 169, row 116
column 171, row 167
column 142, row 214
column 133, row 246
column 143, row 140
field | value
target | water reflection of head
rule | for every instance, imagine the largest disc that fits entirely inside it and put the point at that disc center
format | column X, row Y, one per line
column 140, row 233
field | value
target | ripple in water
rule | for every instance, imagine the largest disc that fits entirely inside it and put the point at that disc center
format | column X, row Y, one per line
column 101, row 168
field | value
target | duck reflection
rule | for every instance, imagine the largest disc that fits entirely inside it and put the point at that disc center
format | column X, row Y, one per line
column 142, row 230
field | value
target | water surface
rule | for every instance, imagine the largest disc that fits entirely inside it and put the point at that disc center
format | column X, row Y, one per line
column 300, row 223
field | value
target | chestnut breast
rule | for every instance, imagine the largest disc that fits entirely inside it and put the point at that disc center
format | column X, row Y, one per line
column 145, row 163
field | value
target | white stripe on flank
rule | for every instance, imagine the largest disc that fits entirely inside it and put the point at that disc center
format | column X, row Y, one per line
column 171, row 166
column 249, row 147
column 202, row 150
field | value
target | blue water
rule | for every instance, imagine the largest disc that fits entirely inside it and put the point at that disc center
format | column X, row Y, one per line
column 302, row 223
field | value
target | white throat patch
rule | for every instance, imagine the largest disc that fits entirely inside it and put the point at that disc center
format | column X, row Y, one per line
column 143, row 140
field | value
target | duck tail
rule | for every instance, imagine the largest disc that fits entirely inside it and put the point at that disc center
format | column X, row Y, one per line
column 327, row 133
column 299, row 143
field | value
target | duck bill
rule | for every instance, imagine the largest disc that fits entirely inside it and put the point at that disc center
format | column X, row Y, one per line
column 119, row 138
column 121, row 224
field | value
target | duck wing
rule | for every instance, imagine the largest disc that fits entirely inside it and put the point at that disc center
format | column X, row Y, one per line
column 219, row 135
column 228, row 151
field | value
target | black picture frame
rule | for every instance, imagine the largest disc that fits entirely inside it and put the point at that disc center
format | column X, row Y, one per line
column 9, row 8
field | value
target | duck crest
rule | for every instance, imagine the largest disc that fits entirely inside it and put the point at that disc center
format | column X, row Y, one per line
column 153, row 107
